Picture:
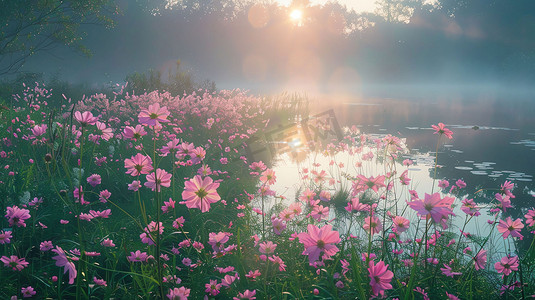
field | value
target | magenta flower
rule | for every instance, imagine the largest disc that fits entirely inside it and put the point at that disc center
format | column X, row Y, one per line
column 181, row 293
column 138, row 256
column 134, row 186
column 470, row 208
column 213, row 288
column 100, row 282
column 17, row 264
column 448, row 271
column 5, row 237
column 63, row 261
column 138, row 164
column 157, row 179
column 153, row 115
column 380, row 277
column 200, row 193
column 85, row 118
column 318, row 240
column 253, row 274
column 480, row 260
column 438, row 208
column 16, row 216
column 278, row 261
column 94, row 180
column 27, row 292
column 267, row 247
column 278, row 225
column 510, row 227
column 507, row 265
column 46, row 245
column 442, row 130
column 107, row 243
column 320, row 212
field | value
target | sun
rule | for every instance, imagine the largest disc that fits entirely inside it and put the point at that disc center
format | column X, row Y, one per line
column 296, row 15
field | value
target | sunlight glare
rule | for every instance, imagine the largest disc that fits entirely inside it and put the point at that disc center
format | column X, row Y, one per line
column 296, row 15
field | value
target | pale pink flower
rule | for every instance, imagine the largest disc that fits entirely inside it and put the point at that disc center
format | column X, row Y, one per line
column 448, row 271
column 138, row 164
column 134, row 186
column 107, row 243
column 218, row 240
column 267, row 247
column 45, row 246
column 200, row 193
column 320, row 212
column 268, row 177
column 134, row 133
column 278, row 225
column 253, row 274
column 510, row 227
column 94, row 180
column 158, row 179
column 153, row 115
column 138, row 256
column 470, row 208
column 363, row 183
column 318, row 240
column 530, row 217
column 400, row 224
column 85, row 118
column 372, row 225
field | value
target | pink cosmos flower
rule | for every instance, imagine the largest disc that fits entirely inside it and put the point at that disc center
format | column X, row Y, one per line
column 507, row 265
column 470, row 208
column 213, row 288
column 134, row 186
column 278, row 261
column 168, row 205
column 400, row 224
column 158, row 179
column 181, row 293
column 46, row 245
column 267, row 247
column 505, row 202
column 480, row 260
column 94, row 180
column 5, row 237
column 138, row 164
column 268, row 177
column 372, row 225
column 510, row 227
column 100, row 282
column 320, row 212
column 63, row 261
column 318, row 240
column 530, row 218
column 380, row 277
column 27, row 292
column 107, row 243
column 17, row 216
column 355, row 205
column 138, row 256
column 442, row 130
column 253, row 274
column 218, row 240
column 85, row 118
column 404, row 179
column 17, row 264
column 153, row 115
column 433, row 205
column 106, row 133
column 448, row 271
column 249, row 295
column 362, row 183
column 200, row 193
column 104, row 195
column 278, row 225
column 443, row 184
column 134, row 133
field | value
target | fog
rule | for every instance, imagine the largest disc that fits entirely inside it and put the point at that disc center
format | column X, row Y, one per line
column 420, row 49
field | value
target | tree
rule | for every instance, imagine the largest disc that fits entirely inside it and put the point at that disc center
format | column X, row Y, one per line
column 30, row 26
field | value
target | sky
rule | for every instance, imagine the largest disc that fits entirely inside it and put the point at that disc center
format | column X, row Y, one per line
column 357, row 5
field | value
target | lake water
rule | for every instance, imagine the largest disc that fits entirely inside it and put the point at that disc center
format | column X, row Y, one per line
column 493, row 141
